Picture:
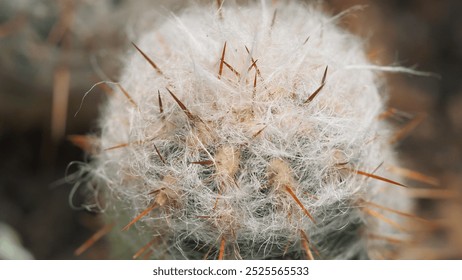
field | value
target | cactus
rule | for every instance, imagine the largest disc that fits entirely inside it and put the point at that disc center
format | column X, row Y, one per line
column 248, row 132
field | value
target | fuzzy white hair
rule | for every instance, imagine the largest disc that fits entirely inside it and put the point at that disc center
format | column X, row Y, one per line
column 243, row 132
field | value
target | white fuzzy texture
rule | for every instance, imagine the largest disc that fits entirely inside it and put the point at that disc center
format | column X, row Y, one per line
column 255, row 144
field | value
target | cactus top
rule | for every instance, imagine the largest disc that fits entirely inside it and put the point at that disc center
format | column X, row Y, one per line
column 243, row 132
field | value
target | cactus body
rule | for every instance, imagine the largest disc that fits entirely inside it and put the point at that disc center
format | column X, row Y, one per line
column 245, row 133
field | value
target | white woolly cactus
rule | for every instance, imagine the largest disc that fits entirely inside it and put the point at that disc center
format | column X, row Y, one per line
column 246, row 133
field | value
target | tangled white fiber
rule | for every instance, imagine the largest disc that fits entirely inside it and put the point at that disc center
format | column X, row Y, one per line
column 242, row 133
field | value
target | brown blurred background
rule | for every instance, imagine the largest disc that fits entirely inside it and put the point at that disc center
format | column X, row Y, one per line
column 52, row 52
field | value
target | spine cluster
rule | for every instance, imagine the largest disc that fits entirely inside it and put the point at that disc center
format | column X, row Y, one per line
column 245, row 132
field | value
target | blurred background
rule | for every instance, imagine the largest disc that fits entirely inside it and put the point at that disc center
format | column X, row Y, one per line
column 53, row 51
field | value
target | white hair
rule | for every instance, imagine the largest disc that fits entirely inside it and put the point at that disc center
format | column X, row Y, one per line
column 266, row 144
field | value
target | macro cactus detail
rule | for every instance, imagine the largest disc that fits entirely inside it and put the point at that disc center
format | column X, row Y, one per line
column 248, row 132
